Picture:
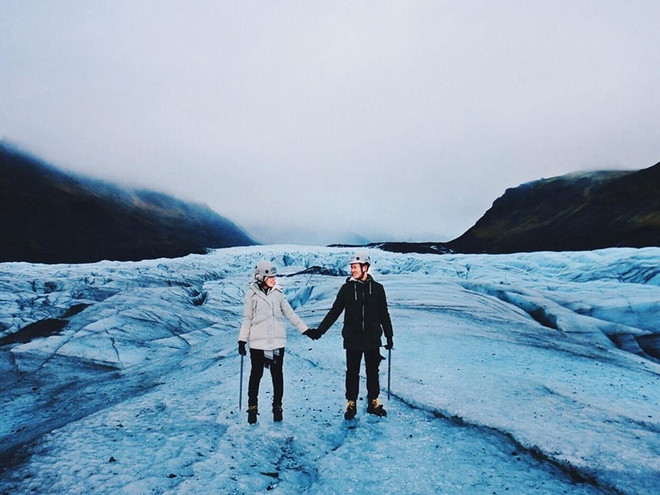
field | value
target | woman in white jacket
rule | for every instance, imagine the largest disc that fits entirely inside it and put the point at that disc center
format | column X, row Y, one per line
column 263, row 329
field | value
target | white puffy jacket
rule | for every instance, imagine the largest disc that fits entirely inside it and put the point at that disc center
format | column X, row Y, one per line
column 263, row 325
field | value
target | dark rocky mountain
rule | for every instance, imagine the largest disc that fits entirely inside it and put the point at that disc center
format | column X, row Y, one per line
column 575, row 212
column 48, row 216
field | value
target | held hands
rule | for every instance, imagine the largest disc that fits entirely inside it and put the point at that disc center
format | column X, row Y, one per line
column 241, row 348
column 313, row 333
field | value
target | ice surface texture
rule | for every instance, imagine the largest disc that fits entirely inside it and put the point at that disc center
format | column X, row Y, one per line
column 528, row 373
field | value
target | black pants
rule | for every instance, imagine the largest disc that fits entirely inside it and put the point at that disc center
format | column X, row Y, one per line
column 372, row 363
column 258, row 362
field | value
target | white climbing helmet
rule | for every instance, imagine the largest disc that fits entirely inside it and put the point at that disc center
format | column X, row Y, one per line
column 264, row 269
column 362, row 258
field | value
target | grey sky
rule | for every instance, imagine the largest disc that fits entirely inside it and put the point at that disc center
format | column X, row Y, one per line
column 394, row 120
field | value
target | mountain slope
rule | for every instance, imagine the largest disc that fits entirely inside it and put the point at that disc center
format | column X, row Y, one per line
column 48, row 216
column 571, row 213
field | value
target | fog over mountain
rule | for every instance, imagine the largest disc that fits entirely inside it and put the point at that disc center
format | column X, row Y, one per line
column 52, row 217
column 574, row 212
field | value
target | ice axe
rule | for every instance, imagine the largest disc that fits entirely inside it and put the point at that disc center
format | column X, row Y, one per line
column 240, row 387
column 389, row 371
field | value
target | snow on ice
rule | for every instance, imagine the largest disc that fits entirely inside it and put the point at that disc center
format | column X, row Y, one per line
column 527, row 373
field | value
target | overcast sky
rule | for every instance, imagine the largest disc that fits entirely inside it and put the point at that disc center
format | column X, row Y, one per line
column 303, row 121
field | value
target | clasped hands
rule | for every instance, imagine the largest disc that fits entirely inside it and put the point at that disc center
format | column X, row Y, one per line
column 313, row 333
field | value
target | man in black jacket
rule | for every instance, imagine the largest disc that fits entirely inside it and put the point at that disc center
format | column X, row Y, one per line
column 366, row 318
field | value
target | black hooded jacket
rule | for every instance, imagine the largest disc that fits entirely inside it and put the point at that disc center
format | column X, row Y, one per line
column 365, row 314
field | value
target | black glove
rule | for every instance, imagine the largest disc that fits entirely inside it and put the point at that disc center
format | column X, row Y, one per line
column 241, row 348
column 389, row 345
column 313, row 333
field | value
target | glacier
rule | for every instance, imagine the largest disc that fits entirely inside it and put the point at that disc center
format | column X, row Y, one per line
column 522, row 373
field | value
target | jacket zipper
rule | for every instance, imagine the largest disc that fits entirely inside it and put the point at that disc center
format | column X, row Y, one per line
column 364, row 298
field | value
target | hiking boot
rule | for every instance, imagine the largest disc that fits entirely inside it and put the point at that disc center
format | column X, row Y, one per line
column 277, row 412
column 252, row 414
column 376, row 408
column 351, row 410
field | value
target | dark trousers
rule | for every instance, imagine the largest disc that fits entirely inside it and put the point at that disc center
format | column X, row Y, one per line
column 258, row 362
column 372, row 363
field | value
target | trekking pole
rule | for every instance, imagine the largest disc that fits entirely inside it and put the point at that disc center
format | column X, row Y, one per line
column 240, row 387
column 389, row 372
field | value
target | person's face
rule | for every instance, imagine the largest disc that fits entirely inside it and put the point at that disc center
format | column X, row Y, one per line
column 270, row 282
column 357, row 271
